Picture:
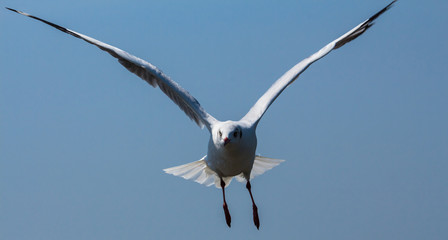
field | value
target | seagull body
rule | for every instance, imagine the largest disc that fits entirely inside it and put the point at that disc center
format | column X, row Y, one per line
column 228, row 154
column 232, row 144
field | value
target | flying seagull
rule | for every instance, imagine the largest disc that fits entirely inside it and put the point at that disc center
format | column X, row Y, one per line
column 232, row 144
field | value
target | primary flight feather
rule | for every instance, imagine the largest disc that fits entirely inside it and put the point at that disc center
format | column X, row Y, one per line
column 232, row 144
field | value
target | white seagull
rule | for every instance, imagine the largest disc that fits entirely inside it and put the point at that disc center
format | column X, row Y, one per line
column 232, row 144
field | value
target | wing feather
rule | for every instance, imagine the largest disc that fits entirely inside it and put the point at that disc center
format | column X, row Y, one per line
column 147, row 72
column 257, row 111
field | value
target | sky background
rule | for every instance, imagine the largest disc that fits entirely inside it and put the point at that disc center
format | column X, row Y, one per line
column 363, row 131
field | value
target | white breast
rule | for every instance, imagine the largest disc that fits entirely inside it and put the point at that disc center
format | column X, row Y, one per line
column 235, row 158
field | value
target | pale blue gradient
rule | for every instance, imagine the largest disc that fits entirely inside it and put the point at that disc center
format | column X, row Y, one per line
column 363, row 131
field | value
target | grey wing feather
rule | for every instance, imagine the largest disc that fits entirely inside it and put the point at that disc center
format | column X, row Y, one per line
column 257, row 111
column 147, row 72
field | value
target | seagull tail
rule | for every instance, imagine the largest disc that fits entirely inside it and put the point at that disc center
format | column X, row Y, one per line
column 261, row 165
column 199, row 172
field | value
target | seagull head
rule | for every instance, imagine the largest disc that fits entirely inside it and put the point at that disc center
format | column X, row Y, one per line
column 227, row 134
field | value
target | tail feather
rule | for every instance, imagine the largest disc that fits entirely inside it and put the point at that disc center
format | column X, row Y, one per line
column 202, row 174
column 262, row 164
column 183, row 170
column 197, row 171
column 205, row 178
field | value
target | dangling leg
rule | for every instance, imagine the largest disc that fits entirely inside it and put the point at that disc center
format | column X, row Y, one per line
column 226, row 210
column 254, row 207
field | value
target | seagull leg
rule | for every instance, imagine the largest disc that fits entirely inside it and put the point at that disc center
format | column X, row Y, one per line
column 226, row 210
column 254, row 207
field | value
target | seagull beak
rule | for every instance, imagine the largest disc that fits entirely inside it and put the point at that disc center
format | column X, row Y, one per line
column 226, row 141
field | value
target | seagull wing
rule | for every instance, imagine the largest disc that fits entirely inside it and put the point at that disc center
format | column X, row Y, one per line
column 147, row 72
column 257, row 111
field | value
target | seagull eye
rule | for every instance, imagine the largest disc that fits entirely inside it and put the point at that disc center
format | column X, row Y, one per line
column 220, row 134
column 235, row 134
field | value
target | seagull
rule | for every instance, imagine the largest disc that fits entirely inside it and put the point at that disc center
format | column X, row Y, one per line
column 232, row 144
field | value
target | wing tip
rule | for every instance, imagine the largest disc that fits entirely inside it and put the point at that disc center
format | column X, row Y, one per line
column 11, row 9
column 361, row 28
column 372, row 18
column 19, row 12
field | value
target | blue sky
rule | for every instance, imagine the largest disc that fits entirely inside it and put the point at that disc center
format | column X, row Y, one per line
column 363, row 131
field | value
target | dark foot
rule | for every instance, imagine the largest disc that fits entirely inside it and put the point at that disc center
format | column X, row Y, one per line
column 256, row 219
column 226, row 212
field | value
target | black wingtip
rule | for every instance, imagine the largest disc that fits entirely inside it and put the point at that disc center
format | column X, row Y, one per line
column 372, row 18
column 19, row 12
column 10, row 9
column 16, row 11
column 363, row 27
column 60, row 28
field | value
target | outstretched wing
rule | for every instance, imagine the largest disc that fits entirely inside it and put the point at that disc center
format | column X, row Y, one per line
column 147, row 72
column 257, row 111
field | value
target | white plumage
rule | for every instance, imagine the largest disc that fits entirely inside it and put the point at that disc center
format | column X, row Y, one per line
column 200, row 173
column 232, row 144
